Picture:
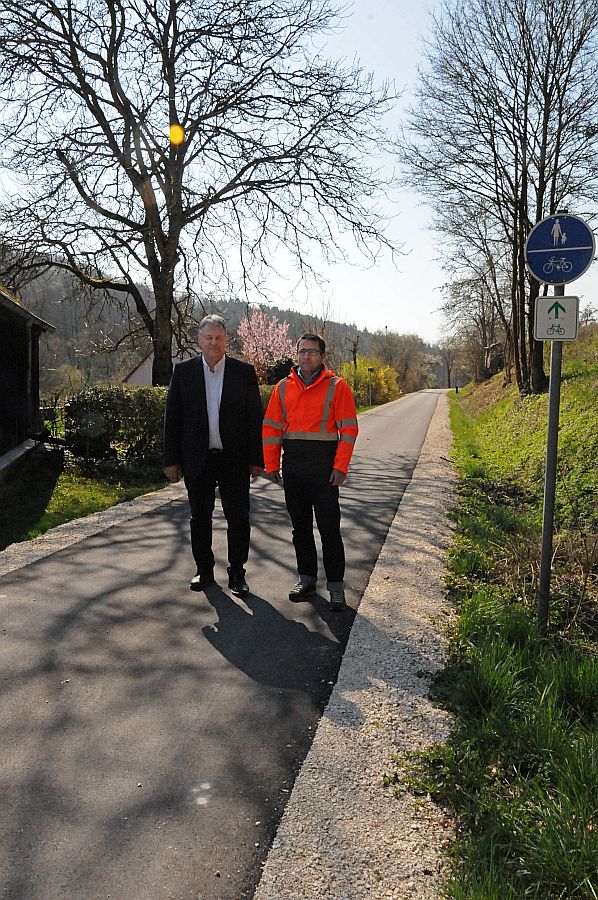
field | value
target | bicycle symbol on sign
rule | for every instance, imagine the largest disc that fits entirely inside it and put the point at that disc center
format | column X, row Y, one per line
column 555, row 329
column 557, row 265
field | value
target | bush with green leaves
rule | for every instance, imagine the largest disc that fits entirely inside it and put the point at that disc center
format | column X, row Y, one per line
column 266, row 393
column 123, row 423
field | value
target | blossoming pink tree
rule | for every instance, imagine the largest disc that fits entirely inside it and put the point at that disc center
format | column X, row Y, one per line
column 264, row 341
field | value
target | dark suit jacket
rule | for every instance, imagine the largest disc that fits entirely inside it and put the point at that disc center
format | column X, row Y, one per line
column 186, row 432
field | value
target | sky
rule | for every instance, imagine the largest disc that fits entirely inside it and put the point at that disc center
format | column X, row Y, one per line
column 383, row 36
column 386, row 37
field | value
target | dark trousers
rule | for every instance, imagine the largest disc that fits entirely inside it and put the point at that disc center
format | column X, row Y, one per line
column 304, row 496
column 232, row 479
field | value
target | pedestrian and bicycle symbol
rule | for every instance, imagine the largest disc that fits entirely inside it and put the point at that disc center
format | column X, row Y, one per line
column 559, row 249
column 556, row 265
column 556, row 318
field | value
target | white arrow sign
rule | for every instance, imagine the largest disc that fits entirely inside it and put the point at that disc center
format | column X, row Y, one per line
column 556, row 318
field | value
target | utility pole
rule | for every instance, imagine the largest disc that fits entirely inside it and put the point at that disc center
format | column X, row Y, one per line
column 370, row 371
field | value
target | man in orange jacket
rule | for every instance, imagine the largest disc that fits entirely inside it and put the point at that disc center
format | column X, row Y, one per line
column 311, row 416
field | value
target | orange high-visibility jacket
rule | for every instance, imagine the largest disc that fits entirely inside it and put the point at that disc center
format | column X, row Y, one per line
column 321, row 411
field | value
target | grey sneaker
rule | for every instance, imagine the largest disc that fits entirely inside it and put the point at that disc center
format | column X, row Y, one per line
column 337, row 601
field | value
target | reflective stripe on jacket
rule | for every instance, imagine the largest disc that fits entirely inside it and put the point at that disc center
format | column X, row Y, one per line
column 321, row 411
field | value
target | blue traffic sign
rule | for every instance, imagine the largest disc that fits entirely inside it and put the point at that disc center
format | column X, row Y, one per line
column 559, row 249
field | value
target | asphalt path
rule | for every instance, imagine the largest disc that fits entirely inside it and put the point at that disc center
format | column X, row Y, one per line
column 150, row 736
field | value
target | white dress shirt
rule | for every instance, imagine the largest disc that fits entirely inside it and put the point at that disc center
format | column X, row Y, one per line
column 213, row 382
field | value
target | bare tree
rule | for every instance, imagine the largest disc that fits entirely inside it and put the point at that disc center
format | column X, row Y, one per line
column 354, row 343
column 504, row 133
column 479, row 291
column 320, row 319
column 588, row 316
column 180, row 144
column 473, row 306
column 407, row 354
column 448, row 352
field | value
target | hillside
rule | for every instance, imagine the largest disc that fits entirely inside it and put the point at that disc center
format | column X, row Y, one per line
column 76, row 354
column 511, row 431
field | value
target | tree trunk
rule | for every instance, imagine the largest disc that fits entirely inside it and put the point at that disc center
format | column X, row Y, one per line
column 508, row 358
column 162, row 340
column 521, row 298
column 538, row 377
column 516, row 322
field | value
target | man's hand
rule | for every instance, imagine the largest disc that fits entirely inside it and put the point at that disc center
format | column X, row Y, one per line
column 337, row 477
column 274, row 476
column 254, row 471
column 173, row 473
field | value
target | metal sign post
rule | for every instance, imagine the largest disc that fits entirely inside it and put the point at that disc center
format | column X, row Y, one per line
column 554, row 405
column 558, row 250
column 370, row 372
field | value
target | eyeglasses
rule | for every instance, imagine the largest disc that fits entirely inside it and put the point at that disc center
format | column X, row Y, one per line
column 309, row 352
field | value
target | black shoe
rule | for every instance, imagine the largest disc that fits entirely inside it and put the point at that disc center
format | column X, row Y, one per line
column 201, row 581
column 337, row 601
column 301, row 590
column 237, row 584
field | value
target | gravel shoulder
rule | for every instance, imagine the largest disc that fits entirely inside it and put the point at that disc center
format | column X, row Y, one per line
column 343, row 835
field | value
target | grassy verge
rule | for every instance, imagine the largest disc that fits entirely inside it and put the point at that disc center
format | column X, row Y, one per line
column 49, row 488
column 521, row 768
column 43, row 491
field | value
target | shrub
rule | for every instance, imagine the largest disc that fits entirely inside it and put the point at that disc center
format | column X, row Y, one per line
column 123, row 422
column 376, row 387
column 266, row 393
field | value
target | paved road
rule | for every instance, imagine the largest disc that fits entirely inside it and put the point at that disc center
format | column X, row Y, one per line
column 150, row 736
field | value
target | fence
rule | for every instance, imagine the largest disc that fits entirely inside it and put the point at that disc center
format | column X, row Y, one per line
column 52, row 419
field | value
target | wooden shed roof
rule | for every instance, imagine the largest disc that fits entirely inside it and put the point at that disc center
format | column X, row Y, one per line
column 12, row 304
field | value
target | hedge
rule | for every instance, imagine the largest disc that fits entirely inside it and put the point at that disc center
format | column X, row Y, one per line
column 124, row 422
column 103, row 422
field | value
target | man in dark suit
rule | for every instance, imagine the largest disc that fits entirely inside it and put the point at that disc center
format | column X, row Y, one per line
column 212, row 437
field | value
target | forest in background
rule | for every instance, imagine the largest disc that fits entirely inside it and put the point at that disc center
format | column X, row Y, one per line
column 93, row 344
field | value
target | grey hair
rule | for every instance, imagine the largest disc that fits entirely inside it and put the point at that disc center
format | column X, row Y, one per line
column 212, row 320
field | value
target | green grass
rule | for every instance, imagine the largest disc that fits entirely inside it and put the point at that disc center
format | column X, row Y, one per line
column 510, row 435
column 40, row 492
column 362, row 409
column 520, row 770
